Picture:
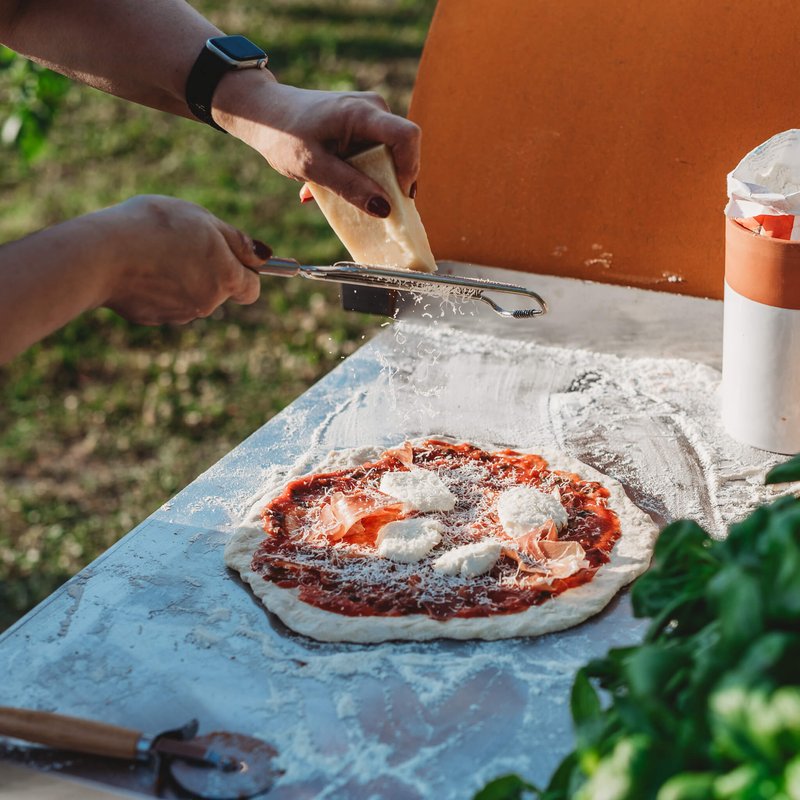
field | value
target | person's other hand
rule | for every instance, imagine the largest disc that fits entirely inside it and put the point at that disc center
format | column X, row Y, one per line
column 173, row 261
column 305, row 134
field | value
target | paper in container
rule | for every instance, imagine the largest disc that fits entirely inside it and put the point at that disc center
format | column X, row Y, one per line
column 761, row 340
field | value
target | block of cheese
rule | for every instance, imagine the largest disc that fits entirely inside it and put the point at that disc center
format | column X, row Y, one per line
column 399, row 241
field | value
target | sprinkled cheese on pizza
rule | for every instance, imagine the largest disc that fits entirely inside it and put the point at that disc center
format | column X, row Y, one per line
column 408, row 540
column 419, row 490
column 522, row 509
column 469, row 560
column 351, row 541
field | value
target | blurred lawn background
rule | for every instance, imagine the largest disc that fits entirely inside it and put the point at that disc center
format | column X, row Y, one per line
column 104, row 421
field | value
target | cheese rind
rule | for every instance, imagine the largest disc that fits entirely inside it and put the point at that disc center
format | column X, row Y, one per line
column 469, row 560
column 399, row 241
column 523, row 508
column 408, row 540
column 419, row 489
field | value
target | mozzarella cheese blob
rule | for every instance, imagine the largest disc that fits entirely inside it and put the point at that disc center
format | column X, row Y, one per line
column 469, row 560
column 408, row 540
column 524, row 508
column 419, row 490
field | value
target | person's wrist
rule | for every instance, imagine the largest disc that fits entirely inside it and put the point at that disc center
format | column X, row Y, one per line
column 106, row 233
column 237, row 93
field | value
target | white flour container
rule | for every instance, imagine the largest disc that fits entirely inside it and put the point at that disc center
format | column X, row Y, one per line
column 761, row 341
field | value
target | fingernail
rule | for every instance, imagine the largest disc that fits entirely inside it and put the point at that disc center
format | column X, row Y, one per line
column 412, row 192
column 379, row 207
column 261, row 250
column 306, row 199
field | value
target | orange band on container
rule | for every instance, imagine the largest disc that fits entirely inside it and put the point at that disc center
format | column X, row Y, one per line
column 778, row 227
column 761, row 268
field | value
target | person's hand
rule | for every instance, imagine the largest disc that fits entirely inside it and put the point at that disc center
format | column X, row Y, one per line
column 173, row 261
column 304, row 134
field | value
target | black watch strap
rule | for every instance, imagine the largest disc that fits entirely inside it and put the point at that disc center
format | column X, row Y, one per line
column 201, row 83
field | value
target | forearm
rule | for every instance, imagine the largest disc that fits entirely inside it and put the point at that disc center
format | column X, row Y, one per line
column 141, row 50
column 50, row 277
column 144, row 50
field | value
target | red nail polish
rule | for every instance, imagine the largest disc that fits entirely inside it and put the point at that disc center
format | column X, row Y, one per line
column 261, row 250
column 306, row 199
column 379, row 207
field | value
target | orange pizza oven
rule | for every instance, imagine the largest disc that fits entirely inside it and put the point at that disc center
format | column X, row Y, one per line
column 592, row 140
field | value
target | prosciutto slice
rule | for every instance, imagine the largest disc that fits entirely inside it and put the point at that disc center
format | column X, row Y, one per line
column 404, row 454
column 541, row 551
column 357, row 518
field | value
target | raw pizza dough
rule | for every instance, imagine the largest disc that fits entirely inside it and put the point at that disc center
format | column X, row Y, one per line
column 629, row 558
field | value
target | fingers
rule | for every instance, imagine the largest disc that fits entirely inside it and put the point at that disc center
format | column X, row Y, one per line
column 337, row 175
column 376, row 99
column 248, row 288
column 242, row 284
column 250, row 252
column 402, row 137
column 368, row 122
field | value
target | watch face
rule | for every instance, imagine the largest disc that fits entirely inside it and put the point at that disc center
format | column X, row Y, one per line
column 238, row 48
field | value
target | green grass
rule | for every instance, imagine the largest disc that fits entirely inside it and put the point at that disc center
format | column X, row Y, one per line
column 103, row 421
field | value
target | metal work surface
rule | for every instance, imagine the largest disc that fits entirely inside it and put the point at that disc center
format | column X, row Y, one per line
column 157, row 630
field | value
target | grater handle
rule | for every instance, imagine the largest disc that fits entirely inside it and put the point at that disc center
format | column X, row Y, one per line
column 279, row 268
column 353, row 274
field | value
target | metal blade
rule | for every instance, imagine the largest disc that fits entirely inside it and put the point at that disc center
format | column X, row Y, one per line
column 244, row 767
column 192, row 750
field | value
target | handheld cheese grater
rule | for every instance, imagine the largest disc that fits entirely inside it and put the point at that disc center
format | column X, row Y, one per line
column 373, row 283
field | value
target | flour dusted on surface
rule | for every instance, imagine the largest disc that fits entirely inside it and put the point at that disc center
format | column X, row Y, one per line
column 652, row 423
column 353, row 720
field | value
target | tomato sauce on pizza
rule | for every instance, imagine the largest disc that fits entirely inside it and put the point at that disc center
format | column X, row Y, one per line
column 321, row 532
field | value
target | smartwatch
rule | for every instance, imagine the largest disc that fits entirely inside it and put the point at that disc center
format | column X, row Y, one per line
column 220, row 55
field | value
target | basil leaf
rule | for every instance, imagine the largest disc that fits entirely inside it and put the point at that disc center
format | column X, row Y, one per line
column 566, row 780
column 736, row 596
column 584, row 702
column 708, row 706
column 786, row 472
column 507, row 787
column 688, row 786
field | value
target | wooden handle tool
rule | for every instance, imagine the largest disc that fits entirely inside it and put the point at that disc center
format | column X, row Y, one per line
column 215, row 766
column 70, row 733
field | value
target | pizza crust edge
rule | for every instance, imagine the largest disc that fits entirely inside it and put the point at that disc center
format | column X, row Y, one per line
column 630, row 557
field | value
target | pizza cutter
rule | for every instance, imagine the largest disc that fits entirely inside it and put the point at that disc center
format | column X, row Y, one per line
column 216, row 766
column 451, row 287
